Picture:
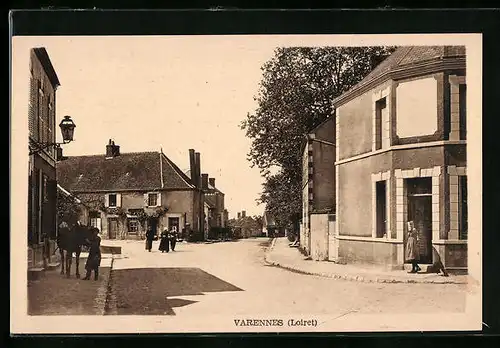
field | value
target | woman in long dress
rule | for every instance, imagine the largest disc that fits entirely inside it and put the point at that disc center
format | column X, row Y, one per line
column 412, row 248
column 164, row 242
column 94, row 258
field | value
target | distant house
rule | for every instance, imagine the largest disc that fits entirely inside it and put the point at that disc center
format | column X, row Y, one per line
column 127, row 192
column 246, row 226
column 318, row 190
column 216, row 216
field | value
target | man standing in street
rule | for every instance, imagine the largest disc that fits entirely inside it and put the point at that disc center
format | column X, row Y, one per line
column 149, row 238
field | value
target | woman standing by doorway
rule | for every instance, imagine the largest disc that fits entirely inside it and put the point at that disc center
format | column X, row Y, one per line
column 412, row 248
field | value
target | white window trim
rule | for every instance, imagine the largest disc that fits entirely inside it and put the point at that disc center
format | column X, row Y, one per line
column 158, row 199
column 454, row 173
column 455, row 82
column 376, row 96
column 118, row 200
column 401, row 198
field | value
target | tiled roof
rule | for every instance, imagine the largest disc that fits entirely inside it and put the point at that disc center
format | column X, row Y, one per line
column 406, row 56
column 128, row 171
column 210, row 200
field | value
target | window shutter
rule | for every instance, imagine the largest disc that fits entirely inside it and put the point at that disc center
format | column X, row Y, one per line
column 118, row 199
column 145, row 199
column 106, row 200
column 158, row 199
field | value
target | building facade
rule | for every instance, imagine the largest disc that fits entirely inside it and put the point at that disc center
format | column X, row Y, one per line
column 42, row 184
column 318, row 190
column 401, row 157
column 129, row 192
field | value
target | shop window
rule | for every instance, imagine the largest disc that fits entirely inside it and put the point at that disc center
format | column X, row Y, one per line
column 133, row 226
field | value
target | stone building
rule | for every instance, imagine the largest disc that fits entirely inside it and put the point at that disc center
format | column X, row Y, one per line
column 401, row 156
column 128, row 192
column 318, row 190
column 42, row 184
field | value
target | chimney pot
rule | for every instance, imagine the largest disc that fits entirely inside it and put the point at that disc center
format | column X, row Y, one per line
column 211, row 181
column 243, row 213
column 239, row 215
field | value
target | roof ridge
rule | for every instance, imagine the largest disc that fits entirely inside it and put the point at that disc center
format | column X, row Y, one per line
column 179, row 172
column 121, row 154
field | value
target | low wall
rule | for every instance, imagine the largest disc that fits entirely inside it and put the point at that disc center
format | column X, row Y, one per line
column 369, row 252
column 319, row 237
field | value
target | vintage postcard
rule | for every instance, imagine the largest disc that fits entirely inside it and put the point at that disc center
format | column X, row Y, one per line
column 254, row 183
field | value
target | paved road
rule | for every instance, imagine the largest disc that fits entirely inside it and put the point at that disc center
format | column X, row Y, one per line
column 231, row 278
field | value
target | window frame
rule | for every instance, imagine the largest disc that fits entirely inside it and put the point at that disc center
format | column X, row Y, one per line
column 115, row 200
column 155, row 195
column 133, row 222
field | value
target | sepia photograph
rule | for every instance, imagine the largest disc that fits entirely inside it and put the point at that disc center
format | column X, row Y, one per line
column 246, row 183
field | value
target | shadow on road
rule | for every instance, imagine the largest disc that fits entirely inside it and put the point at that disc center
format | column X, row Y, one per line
column 145, row 291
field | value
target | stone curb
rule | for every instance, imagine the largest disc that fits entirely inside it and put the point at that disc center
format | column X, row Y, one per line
column 102, row 293
column 350, row 277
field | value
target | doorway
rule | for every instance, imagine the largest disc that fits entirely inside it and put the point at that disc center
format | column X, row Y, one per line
column 112, row 228
column 381, row 209
column 420, row 212
column 173, row 224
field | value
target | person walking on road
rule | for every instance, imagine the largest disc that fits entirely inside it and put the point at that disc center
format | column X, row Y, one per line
column 94, row 258
column 411, row 247
column 149, row 238
column 164, row 241
column 173, row 238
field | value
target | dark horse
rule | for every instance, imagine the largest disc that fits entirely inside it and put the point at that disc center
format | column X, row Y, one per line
column 70, row 240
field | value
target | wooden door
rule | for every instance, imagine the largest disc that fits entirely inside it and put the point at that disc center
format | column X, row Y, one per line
column 112, row 228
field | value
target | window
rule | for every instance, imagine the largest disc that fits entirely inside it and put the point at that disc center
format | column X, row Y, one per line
column 381, row 209
column 95, row 219
column 152, row 199
column 45, row 188
column 112, row 200
column 133, row 225
column 462, row 207
column 462, row 111
column 381, row 124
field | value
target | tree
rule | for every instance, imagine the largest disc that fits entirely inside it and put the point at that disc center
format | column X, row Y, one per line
column 67, row 208
column 295, row 95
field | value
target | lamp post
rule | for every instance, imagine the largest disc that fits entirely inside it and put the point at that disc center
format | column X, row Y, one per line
column 67, row 129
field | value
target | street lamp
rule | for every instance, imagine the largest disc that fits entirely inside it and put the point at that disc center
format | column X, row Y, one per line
column 67, row 129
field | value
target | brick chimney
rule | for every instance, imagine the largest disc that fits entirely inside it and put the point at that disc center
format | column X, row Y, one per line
column 192, row 167
column 204, row 181
column 239, row 215
column 198, row 169
column 211, row 181
column 112, row 150
column 243, row 213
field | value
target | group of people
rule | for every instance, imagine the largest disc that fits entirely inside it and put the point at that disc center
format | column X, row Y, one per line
column 168, row 239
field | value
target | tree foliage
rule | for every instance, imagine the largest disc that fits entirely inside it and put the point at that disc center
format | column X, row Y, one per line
column 68, row 209
column 296, row 93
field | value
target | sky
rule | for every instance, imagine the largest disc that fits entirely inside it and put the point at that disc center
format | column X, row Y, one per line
column 152, row 93
column 168, row 92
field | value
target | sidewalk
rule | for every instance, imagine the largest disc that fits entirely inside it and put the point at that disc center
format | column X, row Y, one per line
column 54, row 294
column 281, row 255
